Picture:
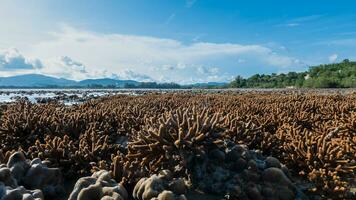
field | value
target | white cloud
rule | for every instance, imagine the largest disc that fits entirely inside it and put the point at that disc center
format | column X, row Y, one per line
column 307, row 18
column 300, row 21
column 208, row 71
column 190, row 3
column 11, row 60
column 130, row 75
column 292, row 24
column 333, row 58
column 170, row 18
column 66, row 67
column 78, row 54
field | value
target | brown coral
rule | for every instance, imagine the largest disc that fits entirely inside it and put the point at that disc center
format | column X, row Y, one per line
column 170, row 141
column 313, row 134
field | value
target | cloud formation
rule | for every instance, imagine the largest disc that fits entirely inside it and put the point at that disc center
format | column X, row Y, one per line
column 11, row 60
column 300, row 21
column 190, row 3
column 77, row 54
column 333, row 58
column 292, row 24
column 155, row 58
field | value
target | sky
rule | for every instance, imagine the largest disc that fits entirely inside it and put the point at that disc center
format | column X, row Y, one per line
column 182, row 41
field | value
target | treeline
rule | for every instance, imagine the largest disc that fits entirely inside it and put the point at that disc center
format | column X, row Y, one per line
column 154, row 85
column 338, row 75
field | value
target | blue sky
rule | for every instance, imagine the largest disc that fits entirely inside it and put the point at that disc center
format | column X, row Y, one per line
column 183, row 41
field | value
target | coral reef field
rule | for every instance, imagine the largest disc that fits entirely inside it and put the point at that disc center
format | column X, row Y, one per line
column 181, row 145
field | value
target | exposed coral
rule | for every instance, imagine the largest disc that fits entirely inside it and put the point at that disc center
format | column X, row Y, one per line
column 19, row 174
column 160, row 186
column 98, row 186
column 170, row 141
column 238, row 173
column 8, row 193
column 313, row 134
column 74, row 157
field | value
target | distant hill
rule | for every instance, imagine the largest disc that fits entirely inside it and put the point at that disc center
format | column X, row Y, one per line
column 38, row 80
column 208, row 84
column 106, row 82
column 43, row 81
column 34, row 80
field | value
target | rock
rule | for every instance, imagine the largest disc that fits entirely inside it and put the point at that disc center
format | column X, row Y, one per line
column 254, row 193
column 36, row 161
column 17, row 158
column 286, row 171
column 7, row 178
column 252, row 165
column 239, row 165
column 82, row 183
column 18, row 165
column 92, row 192
column 268, row 192
column 284, row 193
column 2, row 190
column 251, row 175
column 166, row 195
column 21, row 193
column 39, row 176
column 33, row 175
column 217, row 155
column 272, row 162
column 275, row 176
column 232, row 155
column 178, row 186
column 243, row 174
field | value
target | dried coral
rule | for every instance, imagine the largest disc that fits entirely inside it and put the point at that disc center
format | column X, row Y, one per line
column 313, row 134
column 170, row 141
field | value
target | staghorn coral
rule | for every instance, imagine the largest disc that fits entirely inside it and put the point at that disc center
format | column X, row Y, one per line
column 160, row 186
column 313, row 133
column 170, row 141
column 98, row 186
column 74, row 157
column 325, row 160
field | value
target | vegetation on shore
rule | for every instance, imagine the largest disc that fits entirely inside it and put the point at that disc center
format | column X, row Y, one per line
column 337, row 75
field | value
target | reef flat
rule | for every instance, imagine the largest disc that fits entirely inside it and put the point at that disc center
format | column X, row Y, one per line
column 223, row 144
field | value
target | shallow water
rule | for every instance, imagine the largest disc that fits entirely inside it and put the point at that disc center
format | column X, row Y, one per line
column 74, row 96
column 66, row 96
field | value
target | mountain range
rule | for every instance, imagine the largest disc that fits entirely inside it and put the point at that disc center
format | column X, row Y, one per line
column 43, row 81
column 38, row 80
